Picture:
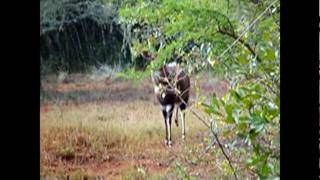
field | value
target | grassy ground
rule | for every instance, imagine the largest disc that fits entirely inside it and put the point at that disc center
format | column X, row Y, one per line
column 113, row 128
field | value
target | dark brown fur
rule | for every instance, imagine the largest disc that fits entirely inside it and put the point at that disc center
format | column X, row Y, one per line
column 171, row 78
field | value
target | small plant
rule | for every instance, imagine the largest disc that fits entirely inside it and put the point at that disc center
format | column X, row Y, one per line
column 66, row 152
column 134, row 173
column 182, row 171
column 62, row 76
column 78, row 174
column 103, row 72
column 141, row 170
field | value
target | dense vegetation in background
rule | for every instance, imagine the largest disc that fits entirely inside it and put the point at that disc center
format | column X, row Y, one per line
column 77, row 34
column 236, row 38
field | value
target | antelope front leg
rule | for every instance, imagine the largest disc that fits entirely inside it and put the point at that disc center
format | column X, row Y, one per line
column 169, row 109
column 167, row 114
column 168, row 122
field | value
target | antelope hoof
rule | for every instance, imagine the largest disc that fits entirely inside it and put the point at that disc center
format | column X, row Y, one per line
column 183, row 138
column 168, row 143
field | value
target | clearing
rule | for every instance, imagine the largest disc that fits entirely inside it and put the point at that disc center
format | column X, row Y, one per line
column 113, row 129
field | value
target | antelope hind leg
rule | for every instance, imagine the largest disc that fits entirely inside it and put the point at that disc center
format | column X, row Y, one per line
column 182, row 114
column 165, row 124
column 176, row 119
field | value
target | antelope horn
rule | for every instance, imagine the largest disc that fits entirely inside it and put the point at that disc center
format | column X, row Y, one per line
column 177, row 90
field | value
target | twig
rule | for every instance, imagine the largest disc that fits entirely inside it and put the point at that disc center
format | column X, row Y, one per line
column 224, row 153
column 202, row 120
column 218, row 141
column 246, row 29
column 234, row 36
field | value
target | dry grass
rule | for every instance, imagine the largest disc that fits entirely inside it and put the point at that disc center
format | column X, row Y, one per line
column 114, row 129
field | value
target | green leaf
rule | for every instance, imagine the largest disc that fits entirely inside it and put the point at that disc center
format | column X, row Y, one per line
column 253, row 161
column 226, row 132
column 236, row 118
column 264, row 169
column 208, row 110
column 266, row 36
column 256, row 148
column 241, row 125
column 270, row 54
column 247, row 102
column 222, row 102
column 236, row 95
column 242, row 135
column 247, row 52
column 255, row 119
column 215, row 101
column 217, row 113
column 259, row 127
column 229, row 108
column 243, row 59
column 230, row 119
column 253, row 134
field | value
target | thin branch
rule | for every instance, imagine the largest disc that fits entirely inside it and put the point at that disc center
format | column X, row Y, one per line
column 218, row 141
column 224, row 153
column 202, row 120
column 234, row 36
column 246, row 29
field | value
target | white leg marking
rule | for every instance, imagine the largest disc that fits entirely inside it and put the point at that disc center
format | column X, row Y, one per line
column 169, row 133
column 168, row 108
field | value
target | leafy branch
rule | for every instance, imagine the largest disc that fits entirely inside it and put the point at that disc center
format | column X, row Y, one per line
column 234, row 36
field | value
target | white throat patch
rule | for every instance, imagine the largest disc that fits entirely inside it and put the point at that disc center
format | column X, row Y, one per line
column 163, row 95
column 172, row 64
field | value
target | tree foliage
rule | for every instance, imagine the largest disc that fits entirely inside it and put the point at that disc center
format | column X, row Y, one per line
column 251, row 64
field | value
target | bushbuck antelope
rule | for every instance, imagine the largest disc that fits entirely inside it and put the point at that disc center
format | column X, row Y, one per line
column 171, row 86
